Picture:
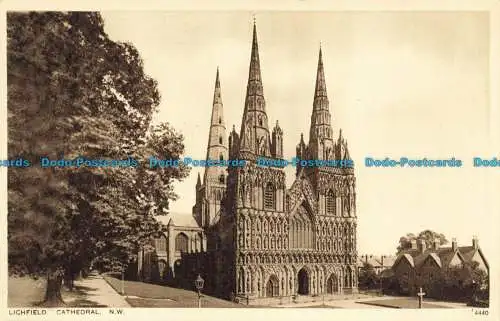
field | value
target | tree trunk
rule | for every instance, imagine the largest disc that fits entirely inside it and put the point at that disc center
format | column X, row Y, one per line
column 53, row 297
column 69, row 280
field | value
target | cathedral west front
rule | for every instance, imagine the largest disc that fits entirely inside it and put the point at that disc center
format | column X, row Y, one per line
column 266, row 243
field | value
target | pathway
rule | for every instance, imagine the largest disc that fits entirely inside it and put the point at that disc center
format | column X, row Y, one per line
column 94, row 291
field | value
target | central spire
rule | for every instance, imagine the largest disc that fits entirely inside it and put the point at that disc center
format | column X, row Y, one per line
column 320, row 133
column 320, row 90
column 254, row 72
column 254, row 128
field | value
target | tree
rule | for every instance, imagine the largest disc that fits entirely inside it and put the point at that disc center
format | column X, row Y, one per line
column 368, row 278
column 427, row 235
column 74, row 92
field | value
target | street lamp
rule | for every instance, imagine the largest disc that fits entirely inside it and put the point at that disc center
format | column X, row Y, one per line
column 198, row 283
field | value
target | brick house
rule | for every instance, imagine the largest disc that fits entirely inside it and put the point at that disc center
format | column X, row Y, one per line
column 419, row 265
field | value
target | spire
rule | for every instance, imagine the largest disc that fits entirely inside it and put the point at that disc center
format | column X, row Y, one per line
column 217, row 91
column 214, row 177
column 320, row 90
column 217, row 144
column 254, row 136
column 320, row 133
column 254, row 73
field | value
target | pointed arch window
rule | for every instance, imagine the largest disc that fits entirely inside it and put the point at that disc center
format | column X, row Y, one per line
column 221, row 178
column 181, row 242
column 269, row 197
column 220, row 120
column 330, row 203
column 220, row 139
column 221, row 157
column 161, row 243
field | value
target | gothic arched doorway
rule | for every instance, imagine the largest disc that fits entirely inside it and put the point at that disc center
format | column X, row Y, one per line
column 272, row 286
column 303, row 278
column 332, row 284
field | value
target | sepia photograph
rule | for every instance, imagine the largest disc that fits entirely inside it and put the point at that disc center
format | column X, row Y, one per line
column 248, row 159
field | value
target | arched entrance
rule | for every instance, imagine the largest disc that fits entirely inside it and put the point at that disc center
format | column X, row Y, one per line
column 272, row 286
column 303, row 278
column 332, row 284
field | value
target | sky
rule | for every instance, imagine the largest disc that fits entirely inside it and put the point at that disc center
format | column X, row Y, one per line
column 400, row 84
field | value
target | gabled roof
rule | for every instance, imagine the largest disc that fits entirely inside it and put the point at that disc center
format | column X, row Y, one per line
column 436, row 259
column 407, row 257
column 468, row 253
column 178, row 219
column 442, row 256
column 302, row 189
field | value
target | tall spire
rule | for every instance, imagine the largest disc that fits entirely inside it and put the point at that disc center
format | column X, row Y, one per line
column 254, row 128
column 320, row 90
column 217, row 91
column 320, row 134
column 208, row 203
column 217, row 141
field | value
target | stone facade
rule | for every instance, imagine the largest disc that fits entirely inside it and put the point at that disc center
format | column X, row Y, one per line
column 164, row 262
column 267, row 243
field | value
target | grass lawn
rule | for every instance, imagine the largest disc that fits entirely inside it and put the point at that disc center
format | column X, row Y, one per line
column 25, row 292
column 402, row 303
column 142, row 294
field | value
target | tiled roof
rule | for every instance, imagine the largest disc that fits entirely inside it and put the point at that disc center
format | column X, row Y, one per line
column 442, row 255
column 467, row 252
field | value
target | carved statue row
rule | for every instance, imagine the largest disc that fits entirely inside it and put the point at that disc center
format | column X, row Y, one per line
column 341, row 185
column 280, row 257
column 252, row 175
column 268, row 225
column 297, row 241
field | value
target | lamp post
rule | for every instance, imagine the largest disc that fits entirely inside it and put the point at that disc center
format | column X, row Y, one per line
column 198, row 283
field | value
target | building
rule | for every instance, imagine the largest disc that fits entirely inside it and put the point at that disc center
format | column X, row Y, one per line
column 267, row 243
column 183, row 236
column 419, row 265
column 379, row 263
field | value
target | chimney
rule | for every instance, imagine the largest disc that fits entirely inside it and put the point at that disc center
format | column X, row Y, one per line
column 436, row 243
column 475, row 242
column 422, row 245
column 413, row 244
column 382, row 260
column 454, row 244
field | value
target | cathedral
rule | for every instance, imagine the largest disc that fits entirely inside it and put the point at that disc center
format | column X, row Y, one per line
column 266, row 243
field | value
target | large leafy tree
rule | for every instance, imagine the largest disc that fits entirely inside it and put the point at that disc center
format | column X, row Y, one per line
column 427, row 235
column 73, row 92
column 368, row 278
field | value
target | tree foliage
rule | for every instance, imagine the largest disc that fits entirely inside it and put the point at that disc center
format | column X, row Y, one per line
column 427, row 235
column 74, row 92
column 368, row 278
column 466, row 283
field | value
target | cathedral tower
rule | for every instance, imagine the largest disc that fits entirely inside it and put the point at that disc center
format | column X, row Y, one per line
column 211, row 192
column 270, row 243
